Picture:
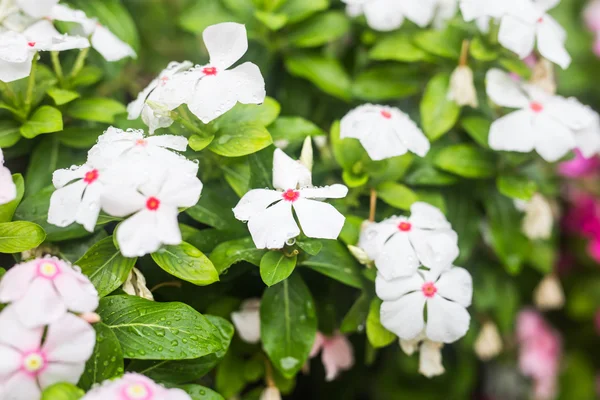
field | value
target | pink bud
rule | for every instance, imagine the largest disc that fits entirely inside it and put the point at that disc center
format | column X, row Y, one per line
column 90, row 317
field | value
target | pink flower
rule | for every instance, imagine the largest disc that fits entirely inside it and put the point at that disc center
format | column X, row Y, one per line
column 591, row 16
column 134, row 387
column 42, row 290
column 336, row 354
column 579, row 166
column 32, row 361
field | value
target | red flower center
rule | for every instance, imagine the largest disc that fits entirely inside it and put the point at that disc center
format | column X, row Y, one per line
column 405, row 226
column 386, row 114
column 540, row 20
column 31, row 44
column 536, row 107
column 164, row 80
column 141, row 142
column 91, row 176
column 291, row 195
column 429, row 289
column 152, row 203
column 209, row 71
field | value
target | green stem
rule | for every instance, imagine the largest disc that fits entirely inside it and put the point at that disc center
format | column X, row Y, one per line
column 79, row 62
column 57, row 67
column 30, row 86
column 8, row 92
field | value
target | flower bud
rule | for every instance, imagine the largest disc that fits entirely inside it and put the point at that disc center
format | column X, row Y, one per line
column 90, row 317
column 247, row 321
column 462, row 89
column 430, row 360
column 488, row 343
column 359, row 254
column 549, row 295
column 270, row 393
column 135, row 285
column 539, row 218
column 306, row 156
column 543, row 76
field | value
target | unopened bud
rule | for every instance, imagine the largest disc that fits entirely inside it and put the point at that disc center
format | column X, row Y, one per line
column 430, row 360
column 90, row 317
column 359, row 254
column 462, row 89
column 488, row 343
column 549, row 294
column 306, row 157
column 270, row 393
column 539, row 218
column 135, row 285
column 543, row 76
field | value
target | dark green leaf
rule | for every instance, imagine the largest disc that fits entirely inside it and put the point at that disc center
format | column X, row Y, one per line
column 357, row 315
column 107, row 360
column 396, row 47
column 466, row 160
column 320, row 30
column 438, row 113
column 198, row 392
column 9, row 133
column 326, row 73
column 516, row 186
column 478, row 128
column 228, row 253
column 62, row 96
column 335, row 261
column 186, row 262
column 377, row 334
column 385, row 83
column 276, row 266
column 237, row 140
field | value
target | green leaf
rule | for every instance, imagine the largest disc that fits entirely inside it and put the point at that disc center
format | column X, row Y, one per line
column 335, row 261
column 320, row 30
column 326, row 73
column 376, row 333
column 62, row 96
column 9, row 133
column 298, row 10
column 106, row 361
column 481, row 51
column 105, row 266
column 79, row 137
column 444, row 43
column 276, row 266
column 288, row 324
column 347, row 152
column 273, row 21
column 98, row 109
column 478, row 128
column 385, row 83
column 396, row 47
column 466, row 160
column 89, row 75
column 516, row 186
column 228, row 253
column 425, row 174
column 438, row 113
column 357, row 315
column 8, row 210
column 186, row 262
column 148, row 330
column 198, row 143
column 198, row 392
column 18, row 236
column 214, row 209
column 45, row 119
column 230, row 379
column 311, row 246
column 263, row 114
column 202, row 14
column 397, row 195
column 62, row 391
column 516, row 66
column 293, row 130
column 261, row 168
column 239, row 140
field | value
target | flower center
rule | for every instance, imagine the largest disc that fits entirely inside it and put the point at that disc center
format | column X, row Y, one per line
column 137, row 391
column 164, row 80
column 540, row 20
column 405, row 226
column 429, row 289
column 291, row 195
column 141, row 142
column 386, row 114
column 209, row 71
column 152, row 203
column 48, row 269
column 31, row 44
column 34, row 362
column 536, row 107
column 91, row 176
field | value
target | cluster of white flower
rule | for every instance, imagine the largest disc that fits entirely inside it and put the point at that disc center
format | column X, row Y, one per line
column 414, row 259
column 41, row 341
column 26, row 27
column 208, row 90
column 127, row 173
column 8, row 190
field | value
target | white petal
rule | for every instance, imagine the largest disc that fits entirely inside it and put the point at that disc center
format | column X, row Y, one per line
column 456, row 285
column 373, row 236
column 16, row 281
column 289, row 173
column 504, row 91
column 10, row 71
column 336, row 191
column 8, row 189
column 554, row 140
column 61, row 372
column 121, row 202
column 174, row 142
column 513, row 132
column 435, row 249
column 570, row 112
column 181, row 190
column 404, row 316
column 21, row 386
column 430, row 359
column 37, row 8
column 550, row 43
column 89, row 208
column 545, row 5
column 397, row 257
column 446, row 321
column 411, row 135
column 11, row 361
column 393, row 289
column 69, row 340
column 65, row 203
column 383, row 15
column 61, row 12
column 154, row 120
column 319, row 220
column 226, row 43
column 588, row 139
column 273, row 227
column 516, row 35
column 167, row 226
column 78, row 293
column 472, row 9
column 134, row 109
column 15, row 334
column 255, row 202
column 14, row 47
column 45, row 37
column 425, row 216
column 40, row 305
column 248, row 83
column 137, row 235
column 247, row 321
column 61, row 177
column 213, row 96
column 420, row 12
column 110, row 46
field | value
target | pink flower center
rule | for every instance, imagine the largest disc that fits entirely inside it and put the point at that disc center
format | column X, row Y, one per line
column 209, row 71
column 141, row 142
column 33, row 363
column 536, row 107
column 137, row 391
column 152, row 203
column 429, row 289
column 386, row 114
column 48, row 269
column 31, row 44
column 405, row 226
column 291, row 195
column 540, row 20
column 91, row 176
column 164, row 80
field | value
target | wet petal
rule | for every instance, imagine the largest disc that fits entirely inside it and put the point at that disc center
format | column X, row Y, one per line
column 446, row 321
column 271, row 228
column 69, row 340
column 226, row 43
column 255, row 202
column 319, row 220
column 404, row 316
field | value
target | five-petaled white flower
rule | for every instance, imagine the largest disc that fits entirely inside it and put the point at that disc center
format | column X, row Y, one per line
column 33, row 359
column 211, row 90
column 8, row 189
column 134, row 386
column 549, row 124
column 269, row 212
column 399, row 245
column 384, row 131
column 387, row 15
column 44, row 289
column 447, row 296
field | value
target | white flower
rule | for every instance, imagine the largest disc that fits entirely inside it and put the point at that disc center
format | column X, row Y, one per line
column 102, row 39
column 588, row 139
column 384, row 131
column 398, row 245
column 488, row 343
column 247, row 321
column 8, row 190
column 135, row 285
column 387, row 15
column 152, row 93
column 37, row 8
column 539, row 217
column 430, row 354
column 473, row 9
column 446, row 296
column 445, row 11
column 211, row 90
column 545, row 123
column 269, row 212
column 549, row 294
column 462, row 89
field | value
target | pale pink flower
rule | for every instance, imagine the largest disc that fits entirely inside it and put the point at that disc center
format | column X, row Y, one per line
column 336, row 354
column 44, row 289
column 134, row 387
column 591, row 15
column 32, row 361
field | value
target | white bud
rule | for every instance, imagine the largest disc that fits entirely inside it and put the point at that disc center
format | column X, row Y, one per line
column 247, row 321
column 135, row 285
column 543, row 76
column 410, row 346
column 282, row 143
column 549, row 294
column 462, row 89
column 359, row 254
column 488, row 343
column 320, row 141
column 539, row 218
column 306, row 157
column 270, row 393
column 430, row 360
column 90, row 317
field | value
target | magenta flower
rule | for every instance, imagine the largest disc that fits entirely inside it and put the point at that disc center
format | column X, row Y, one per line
column 32, row 361
column 134, row 387
column 579, row 166
column 336, row 354
column 44, row 289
